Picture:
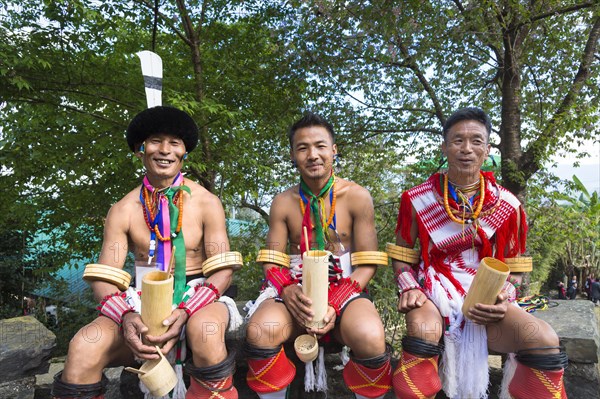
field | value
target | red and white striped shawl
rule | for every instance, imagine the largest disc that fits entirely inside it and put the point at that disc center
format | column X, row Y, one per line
column 455, row 250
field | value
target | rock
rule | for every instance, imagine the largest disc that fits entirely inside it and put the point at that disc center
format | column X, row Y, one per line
column 577, row 327
column 26, row 347
column 23, row 388
column 576, row 324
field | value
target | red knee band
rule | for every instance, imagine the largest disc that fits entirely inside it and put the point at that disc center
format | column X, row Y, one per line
column 539, row 384
column 370, row 383
column 270, row 375
column 416, row 377
column 222, row 389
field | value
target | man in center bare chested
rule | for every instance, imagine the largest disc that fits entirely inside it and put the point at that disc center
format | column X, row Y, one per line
column 339, row 218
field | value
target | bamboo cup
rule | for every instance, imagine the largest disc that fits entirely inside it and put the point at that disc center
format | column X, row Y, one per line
column 158, row 376
column 487, row 283
column 306, row 347
column 315, row 282
column 157, row 299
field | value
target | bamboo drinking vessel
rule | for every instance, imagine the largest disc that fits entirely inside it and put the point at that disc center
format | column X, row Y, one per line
column 157, row 301
column 315, row 282
column 487, row 283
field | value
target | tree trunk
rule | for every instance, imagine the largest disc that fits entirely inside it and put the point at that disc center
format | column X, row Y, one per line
column 510, row 127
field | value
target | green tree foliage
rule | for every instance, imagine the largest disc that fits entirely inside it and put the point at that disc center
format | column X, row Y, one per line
column 71, row 83
column 386, row 74
column 402, row 67
column 564, row 230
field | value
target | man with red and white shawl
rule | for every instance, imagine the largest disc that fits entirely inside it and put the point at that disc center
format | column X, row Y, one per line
column 460, row 217
column 339, row 217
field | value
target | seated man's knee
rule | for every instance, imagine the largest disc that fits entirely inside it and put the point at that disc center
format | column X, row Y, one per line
column 427, row 330
column 264, row 332
column 203, row 330
column 546, row 335
column 366, row 341
column 425, row 323
column 89, row 352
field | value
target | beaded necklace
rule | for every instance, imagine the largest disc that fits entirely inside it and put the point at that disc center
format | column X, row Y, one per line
column 316, row 203
column 156, row 204
column 467, row 217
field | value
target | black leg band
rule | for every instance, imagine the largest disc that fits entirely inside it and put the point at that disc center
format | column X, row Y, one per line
column 61, row 389
column 550, row 362
column 376, row 361
column 216, row 372
column 421, row 348
column 254, row 352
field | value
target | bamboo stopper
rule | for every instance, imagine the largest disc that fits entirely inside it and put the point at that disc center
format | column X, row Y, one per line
column 157, row 301
column 315, row 282
column 487, row 283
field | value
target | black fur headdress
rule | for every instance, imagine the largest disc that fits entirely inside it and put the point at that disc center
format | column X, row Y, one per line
column 165, row 120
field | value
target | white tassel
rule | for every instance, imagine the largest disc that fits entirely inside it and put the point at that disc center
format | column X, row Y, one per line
column 145, row 390
column 180, row 390
column 235, row 318
column 321, row 372
column 472, row 363
column 309, row 377
column 510, row 366
column 447, row 368
column 148, row 395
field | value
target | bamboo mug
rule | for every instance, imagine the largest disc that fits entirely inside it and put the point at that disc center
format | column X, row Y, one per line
column 315, row 284
column 487, row 284
column 157, row 301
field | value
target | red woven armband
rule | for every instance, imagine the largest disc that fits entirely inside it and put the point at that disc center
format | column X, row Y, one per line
column 406, row 282
column 205, row 294
column 280, row 278
column 114, row 307
column 342, row 292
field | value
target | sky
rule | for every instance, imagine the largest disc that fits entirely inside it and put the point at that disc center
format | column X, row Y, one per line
column 588, row 171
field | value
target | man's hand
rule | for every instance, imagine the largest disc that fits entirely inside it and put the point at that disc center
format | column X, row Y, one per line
column 329, row 321
column 297, row 304
column 410, row 300
column 175, row 321
column 133, row 329
column 488, row 314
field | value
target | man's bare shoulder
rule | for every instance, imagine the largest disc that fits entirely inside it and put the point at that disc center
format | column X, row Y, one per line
column 353, row 192
column 285, row 198
column 129, row 202
column 202, row 196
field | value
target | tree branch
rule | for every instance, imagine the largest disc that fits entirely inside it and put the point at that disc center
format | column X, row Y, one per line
column 530, row 162
column 201, row 178
column 167, row 21
column 559, row 11
column 424, row 82
column 256, row 208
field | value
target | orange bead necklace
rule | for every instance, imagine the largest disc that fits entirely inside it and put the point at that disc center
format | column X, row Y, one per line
column 467, row 218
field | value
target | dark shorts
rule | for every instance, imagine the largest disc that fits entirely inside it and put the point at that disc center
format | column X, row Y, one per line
column 361, row 295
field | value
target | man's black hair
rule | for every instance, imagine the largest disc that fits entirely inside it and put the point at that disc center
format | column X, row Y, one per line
column 468, row 114
column 308, row 120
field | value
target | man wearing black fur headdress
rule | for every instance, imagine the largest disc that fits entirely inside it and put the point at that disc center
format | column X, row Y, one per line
column 151, row 222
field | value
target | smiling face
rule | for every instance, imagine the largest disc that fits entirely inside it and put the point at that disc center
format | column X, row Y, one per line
column 313, row 151
column 466, row 147
column 162, row 158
